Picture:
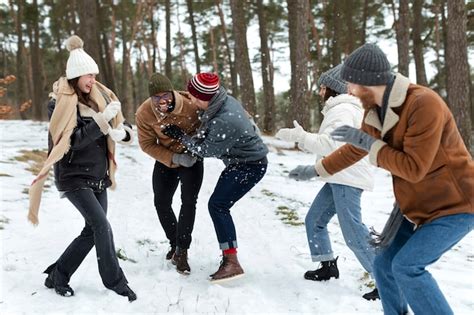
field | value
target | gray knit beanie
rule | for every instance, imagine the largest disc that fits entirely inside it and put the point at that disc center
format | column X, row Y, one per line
column 332, row 79
column 367, row 65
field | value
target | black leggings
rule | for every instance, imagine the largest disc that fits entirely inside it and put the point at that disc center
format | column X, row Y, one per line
column 97, row 231
column 165, row 183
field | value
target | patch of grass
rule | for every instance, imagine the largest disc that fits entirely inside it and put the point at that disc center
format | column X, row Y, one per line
column 368, row 282
column 152, row 246
column 35, row 159
column 267, row 193
column 5, row 175
column 123, row 256
column 288, row 216
column 3, row 220
column 131, row 158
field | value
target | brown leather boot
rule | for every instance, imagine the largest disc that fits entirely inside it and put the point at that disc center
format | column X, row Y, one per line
column 180, row 260
column 229, row 269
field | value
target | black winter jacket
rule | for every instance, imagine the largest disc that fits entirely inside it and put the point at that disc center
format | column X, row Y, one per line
column 85, row 165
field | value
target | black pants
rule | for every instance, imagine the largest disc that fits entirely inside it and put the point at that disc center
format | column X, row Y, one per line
column 165, row 183
column 97, row 231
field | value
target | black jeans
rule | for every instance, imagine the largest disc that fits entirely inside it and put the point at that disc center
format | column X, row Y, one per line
column 97, row 231
column 165, row 183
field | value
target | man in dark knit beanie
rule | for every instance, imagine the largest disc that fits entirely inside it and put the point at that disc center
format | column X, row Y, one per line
column 409, row 131
column 173, row 166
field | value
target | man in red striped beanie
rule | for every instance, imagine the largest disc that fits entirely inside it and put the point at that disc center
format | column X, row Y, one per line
column 226, row 133
column 204, row 86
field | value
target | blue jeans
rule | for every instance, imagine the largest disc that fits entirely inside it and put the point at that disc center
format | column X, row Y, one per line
column 344, row 201
column 235, row 181
column 400, row 270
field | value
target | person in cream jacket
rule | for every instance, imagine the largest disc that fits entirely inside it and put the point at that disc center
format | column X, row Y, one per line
column 341, row 195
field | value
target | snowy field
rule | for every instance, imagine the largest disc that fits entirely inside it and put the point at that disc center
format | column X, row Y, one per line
column 272, row 252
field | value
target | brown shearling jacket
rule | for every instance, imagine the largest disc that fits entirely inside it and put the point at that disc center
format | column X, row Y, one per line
column 150, row 122
column 420, row 145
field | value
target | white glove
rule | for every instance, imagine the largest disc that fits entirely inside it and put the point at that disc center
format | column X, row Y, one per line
column 117, row 134
column 296, row 134
column 184, row 159
column 112, row 110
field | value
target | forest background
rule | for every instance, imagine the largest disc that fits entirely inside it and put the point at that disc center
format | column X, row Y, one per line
column 269, row 54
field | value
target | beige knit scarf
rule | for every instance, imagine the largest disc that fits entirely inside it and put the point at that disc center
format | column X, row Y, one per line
column 61, row 126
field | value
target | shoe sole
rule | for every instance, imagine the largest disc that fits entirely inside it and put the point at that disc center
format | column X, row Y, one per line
column 226, row 279
column 313, row 279
column 185, row 272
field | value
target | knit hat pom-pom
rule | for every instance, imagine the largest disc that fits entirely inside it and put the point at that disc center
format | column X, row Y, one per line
column 74, row 42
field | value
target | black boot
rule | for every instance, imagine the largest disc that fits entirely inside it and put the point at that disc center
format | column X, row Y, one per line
column 128, row 293
column 372, row 295
column 63, row 290
column 327, row 271
column 170, row 253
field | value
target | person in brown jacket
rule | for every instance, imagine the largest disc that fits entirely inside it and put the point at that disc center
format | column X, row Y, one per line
column 173, row 165
column 409, row 131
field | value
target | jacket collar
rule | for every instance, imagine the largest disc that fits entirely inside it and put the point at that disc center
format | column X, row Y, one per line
column 397, row 98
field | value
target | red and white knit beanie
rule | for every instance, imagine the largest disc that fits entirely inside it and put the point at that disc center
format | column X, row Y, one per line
column 204, row 85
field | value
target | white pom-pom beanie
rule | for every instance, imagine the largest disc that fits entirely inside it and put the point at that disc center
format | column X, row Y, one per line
column 79, row 62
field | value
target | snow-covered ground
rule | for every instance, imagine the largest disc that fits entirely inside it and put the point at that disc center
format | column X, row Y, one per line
column 273, row 254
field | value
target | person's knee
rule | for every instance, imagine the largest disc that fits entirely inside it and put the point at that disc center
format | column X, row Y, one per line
column 403, row 269
column 216, row 205
column 87, row 232
column 381, row 265
column 162, row 203
column 101, row 226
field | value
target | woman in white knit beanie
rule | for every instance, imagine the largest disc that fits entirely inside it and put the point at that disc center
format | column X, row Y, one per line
column 85, row 123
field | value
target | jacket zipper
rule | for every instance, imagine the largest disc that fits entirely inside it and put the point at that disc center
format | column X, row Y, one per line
column 70, row 157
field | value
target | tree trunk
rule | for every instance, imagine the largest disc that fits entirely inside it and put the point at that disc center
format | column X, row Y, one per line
column 402, row 28
column 189, row 3
column 21, row 91
column 336, row 34
column 127, row 106
column 124, row 91
column 153, row 38
column 267, row 79
column 458, row 69
column 106, row 55
column 418, row 43
column 242, row 63
column 168, row 71
column 298, row 38
column 350, row 44
column 39, row 110
column 89, row 29
column 182, row 63
column 365, row 15
column 215, row 67
column 233, row 74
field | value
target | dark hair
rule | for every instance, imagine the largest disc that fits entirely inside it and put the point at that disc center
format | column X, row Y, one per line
column 329, row 93
column 82, row 97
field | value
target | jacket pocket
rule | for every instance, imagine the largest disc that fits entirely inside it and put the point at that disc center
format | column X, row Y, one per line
column 421, row 201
